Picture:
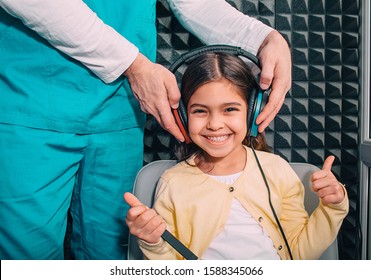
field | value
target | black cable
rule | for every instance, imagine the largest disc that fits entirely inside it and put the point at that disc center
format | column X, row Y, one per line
column 269, row 199
column 177, row 245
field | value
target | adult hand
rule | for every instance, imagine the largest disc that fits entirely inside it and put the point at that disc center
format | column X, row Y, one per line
column 275, row 58
column 325, row 184
column 142, row 221
column 157, row 92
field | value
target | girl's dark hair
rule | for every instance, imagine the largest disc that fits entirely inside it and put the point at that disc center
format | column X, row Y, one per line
column 211, row 67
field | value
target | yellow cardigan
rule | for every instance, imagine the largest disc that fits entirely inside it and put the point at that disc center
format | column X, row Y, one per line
column 195, row 208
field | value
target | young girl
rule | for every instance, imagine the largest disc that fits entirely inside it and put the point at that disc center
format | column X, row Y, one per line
column 215, row 201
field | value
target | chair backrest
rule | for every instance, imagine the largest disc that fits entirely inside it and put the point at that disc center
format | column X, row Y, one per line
column 311, row 200
column 145, row 188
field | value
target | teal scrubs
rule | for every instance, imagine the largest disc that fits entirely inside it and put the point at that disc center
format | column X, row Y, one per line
column 68, row 141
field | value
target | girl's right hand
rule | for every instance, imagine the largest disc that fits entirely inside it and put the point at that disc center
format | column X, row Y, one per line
column 142, row 221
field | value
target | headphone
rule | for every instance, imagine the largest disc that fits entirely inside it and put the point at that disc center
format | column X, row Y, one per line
column 256, row 98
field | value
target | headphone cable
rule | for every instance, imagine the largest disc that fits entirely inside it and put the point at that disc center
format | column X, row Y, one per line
column 269, row 199
column 178, row 246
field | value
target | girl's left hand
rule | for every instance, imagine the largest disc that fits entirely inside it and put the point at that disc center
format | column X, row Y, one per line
column 325, row 184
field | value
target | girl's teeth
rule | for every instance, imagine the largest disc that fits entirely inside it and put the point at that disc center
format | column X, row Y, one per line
column 218, row 138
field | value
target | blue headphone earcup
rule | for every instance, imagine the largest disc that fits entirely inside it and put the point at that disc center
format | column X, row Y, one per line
column 256, row 100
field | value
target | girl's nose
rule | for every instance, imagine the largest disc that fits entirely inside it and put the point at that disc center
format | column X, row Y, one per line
column 215, row 122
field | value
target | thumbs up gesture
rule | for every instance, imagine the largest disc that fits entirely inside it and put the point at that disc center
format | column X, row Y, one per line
column 142, row 221
column 325, row 184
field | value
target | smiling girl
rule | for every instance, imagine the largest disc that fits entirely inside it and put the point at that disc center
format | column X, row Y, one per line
column 216, row 201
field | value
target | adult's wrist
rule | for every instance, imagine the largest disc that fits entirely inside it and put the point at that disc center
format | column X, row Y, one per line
column 136, row 65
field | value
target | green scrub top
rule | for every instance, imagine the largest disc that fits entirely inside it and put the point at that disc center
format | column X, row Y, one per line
column 41, row 87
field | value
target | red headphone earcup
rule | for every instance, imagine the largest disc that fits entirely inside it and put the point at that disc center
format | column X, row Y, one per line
column 181, row 126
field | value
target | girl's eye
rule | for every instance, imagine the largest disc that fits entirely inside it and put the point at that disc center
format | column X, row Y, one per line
column 198, row 111
column 231, row 109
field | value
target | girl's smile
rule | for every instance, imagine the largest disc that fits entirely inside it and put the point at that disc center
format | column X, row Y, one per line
column 218, row 139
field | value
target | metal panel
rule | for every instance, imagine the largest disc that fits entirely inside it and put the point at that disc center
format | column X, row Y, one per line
column 365, row 132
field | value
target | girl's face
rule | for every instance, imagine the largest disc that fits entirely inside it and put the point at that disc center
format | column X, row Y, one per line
column 217, row 120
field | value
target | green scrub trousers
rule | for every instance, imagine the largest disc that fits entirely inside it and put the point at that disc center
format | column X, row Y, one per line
column 61, row 170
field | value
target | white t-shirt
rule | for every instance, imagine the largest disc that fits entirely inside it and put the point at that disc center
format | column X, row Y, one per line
column 242, row 238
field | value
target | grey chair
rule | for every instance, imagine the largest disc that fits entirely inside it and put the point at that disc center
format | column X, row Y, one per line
column 148, row 176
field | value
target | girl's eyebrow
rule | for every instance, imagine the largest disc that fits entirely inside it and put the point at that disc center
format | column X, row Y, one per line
column 198, row 105
column 224, row 104
column 233, row 104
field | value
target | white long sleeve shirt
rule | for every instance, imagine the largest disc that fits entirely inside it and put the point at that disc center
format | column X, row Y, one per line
column 108, row 54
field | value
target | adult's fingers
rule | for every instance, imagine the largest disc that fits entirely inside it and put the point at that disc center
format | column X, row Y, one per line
column 167, row 121
column 173, row 92
column 266, row 74
column 270, row 110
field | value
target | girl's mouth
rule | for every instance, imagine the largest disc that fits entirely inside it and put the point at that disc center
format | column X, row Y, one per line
column 218, row 139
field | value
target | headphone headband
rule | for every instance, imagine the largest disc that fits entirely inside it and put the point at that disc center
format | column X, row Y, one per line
column 233, row 50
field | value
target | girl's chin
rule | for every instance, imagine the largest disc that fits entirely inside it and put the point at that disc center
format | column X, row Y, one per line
column 219, row 152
